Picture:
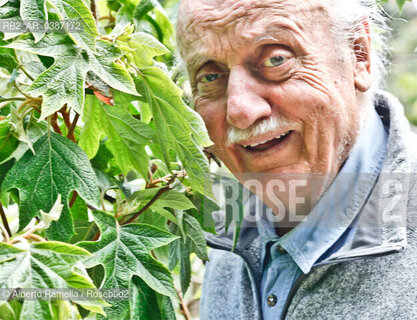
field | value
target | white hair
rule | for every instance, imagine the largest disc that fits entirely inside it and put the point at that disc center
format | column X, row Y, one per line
column 268, row 125
column 349, row 16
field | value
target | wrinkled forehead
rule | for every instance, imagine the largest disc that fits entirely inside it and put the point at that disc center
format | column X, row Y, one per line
column 199, row 19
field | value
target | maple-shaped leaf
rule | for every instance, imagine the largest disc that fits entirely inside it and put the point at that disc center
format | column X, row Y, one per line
column 58, row 166
column 53, row 265
column 63, row 82
column 126, row 135
column 178, row 127
column 124, row 252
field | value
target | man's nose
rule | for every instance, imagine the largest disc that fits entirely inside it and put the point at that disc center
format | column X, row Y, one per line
column 245, row 102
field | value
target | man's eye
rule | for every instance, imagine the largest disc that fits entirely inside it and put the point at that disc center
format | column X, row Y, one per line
column 210, row 77
column 275, row 61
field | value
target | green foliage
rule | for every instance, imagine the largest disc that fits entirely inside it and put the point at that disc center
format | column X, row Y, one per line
column 400, row 3
column 63, row 82
column 57, row 167
column 124, row 252
column 98, row 151
column 45, row 265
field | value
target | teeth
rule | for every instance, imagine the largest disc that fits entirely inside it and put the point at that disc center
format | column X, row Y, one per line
column 262, row 142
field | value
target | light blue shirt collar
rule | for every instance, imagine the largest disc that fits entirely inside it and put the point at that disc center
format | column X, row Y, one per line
column 340, row 204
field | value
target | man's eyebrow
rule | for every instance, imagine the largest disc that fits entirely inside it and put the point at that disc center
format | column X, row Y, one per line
column 196, row 62
column 277, row 31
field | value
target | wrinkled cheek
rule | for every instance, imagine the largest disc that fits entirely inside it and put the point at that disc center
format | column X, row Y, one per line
column 214, row 119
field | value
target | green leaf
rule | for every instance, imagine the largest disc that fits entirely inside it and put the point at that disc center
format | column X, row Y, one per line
column 58, row 167
column 34, row 11
column 85, row 230
column 124, row 252
column 147, row 304
column 9, row 16
column 401, row 3
column 63, row 82
column 77, row 11
column 79, row 210
column 44, row 265
column 8, row 62
column 4, row 168
column 165, row 305
column 204, row 213
column 146, row 47
column 9, row 311
column 103, row 156
column 144, row 7
column 169, row 199
column 31, row 62
column 126, row 135
column 178, row 127
column 28, row 133
column 8, row 142
column 144, row 303
column 180, row 250
column 195, row 233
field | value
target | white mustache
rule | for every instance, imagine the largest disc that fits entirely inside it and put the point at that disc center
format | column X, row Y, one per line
column 269, row 125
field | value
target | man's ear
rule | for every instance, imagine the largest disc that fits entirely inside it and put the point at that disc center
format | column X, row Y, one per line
column 362, row 60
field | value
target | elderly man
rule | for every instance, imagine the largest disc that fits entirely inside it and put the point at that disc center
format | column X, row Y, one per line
column 289, row 89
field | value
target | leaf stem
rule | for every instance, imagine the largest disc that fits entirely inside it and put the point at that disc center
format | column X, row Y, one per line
column 25, row 72
column 24, row 104
column 35, row 237
column 65, row 115
column 4, row 220
column 13, row 99
column 25, row 94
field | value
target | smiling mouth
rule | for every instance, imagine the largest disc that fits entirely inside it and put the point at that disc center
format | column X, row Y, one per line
column 267, row 144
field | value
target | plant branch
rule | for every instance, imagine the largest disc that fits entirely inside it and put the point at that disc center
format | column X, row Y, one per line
column 54, row 123
column 93, row 10
column 73, row 198
column 152, row 201
column 5, row 234
column 65, row 116
column 166, row 179
column 92, row 207
column 146, row 207
column 70, row 134
column 4, row 220
column 183, row 306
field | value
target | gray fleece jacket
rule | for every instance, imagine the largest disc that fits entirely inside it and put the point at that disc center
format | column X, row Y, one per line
column 374, row 276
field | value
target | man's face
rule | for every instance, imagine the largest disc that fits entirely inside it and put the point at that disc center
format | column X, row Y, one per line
column 278, row 94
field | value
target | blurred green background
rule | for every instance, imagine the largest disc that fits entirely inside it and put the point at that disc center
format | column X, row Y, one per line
column 402, row 80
